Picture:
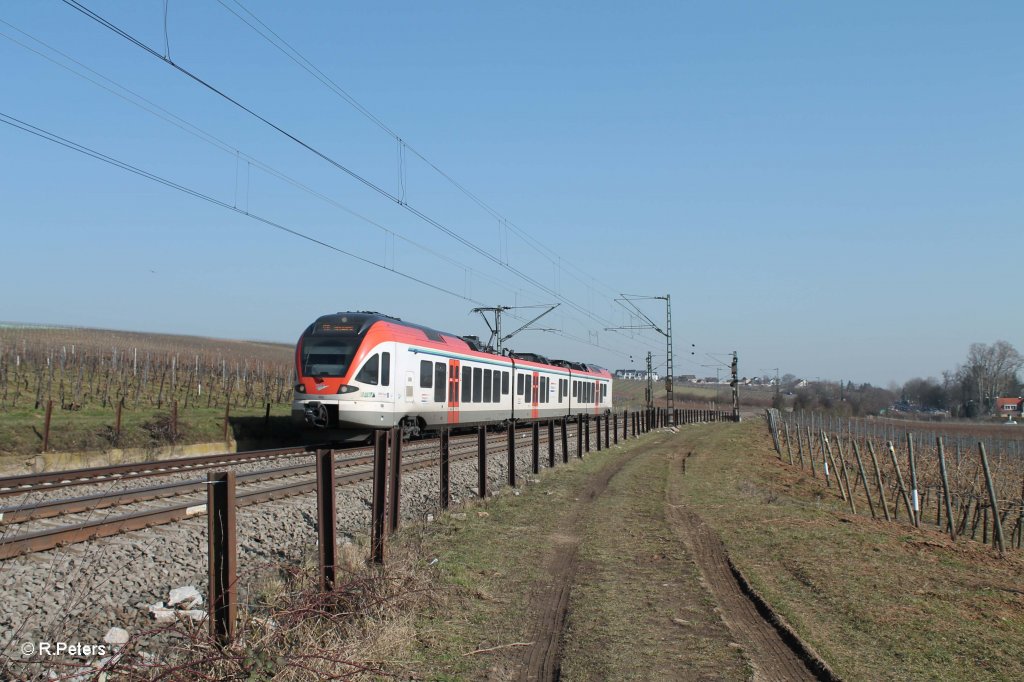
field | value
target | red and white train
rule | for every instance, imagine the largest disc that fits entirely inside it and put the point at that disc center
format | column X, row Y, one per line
column 361, row 371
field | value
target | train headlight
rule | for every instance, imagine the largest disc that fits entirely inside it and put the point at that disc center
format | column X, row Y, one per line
column 347, row 389
column 300, row 388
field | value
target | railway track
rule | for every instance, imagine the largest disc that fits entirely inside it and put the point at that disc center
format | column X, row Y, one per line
column 40, row 525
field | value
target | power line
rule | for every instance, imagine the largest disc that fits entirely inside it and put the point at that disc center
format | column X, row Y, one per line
column 298, row 58
column 366, row 182
column 99, row 156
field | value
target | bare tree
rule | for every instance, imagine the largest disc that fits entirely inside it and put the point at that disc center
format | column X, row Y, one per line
column 990, row 371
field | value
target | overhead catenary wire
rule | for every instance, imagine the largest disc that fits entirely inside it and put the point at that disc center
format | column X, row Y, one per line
column 338, row 165
column 99, row 156
column 277, row 41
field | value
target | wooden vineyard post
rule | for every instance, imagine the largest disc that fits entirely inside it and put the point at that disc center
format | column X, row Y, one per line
column 863, row 478
column 46, row 425
column 843, row 475
column 899, row 480
column 810, row 453
column 997, row 526
column 950, row 525
column 914, row 495
column 881, row 485
column 789, row 444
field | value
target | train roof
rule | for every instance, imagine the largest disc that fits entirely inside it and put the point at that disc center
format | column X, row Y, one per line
column 359, row 322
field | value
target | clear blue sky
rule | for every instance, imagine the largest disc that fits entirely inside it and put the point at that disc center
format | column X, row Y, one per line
column 833, row 189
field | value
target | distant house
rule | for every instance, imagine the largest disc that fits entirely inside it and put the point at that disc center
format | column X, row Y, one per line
column 1010, row 406
column 687, row 378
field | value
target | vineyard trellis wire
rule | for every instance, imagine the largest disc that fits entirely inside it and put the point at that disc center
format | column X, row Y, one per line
column 80, row 367
column 956, row 479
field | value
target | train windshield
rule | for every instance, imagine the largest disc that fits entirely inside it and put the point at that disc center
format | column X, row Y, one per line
column 328, row 356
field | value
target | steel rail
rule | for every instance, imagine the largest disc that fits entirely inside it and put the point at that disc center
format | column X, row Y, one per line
column 13, row 485
column 51, row 538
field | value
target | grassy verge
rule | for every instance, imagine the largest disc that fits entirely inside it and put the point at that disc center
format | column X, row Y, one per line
column 636, row 610
column 877, row 600
column 93, row 428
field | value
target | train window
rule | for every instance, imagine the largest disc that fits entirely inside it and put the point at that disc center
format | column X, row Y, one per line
column 504, row 383
column 439, row 382
column 467, row 384
column 496, row 397
column 426, row 373
column 385, row 369
column 327, row 357
column 371, row 369
column 487, row 385
column 565, row 388
column 604, row 392
column 478, row 381
column 575, row 388
column 545, row 384
column 529, row 388
column 520, row 378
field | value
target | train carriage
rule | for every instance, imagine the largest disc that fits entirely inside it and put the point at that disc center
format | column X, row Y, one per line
column 363, row 371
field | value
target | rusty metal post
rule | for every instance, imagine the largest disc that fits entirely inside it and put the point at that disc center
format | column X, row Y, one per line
column 565, row 440
column 586, row 433
column 395, row 476
column 535, row 452
column 174, row 421
column 597, row 429
column 117, row 421
column 446, row 496
column 378, row 528
column 223, row 557
column 551, row 443
column 481, row 461
column 266, row 417
column 579, row 436
column 227, row 415
column 615, row 428
column 512, row 454
column 327, row 518
column 46, row 425
column 607, row 418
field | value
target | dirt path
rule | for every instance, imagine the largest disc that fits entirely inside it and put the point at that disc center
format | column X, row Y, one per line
column 542, row 660
column 769, row 655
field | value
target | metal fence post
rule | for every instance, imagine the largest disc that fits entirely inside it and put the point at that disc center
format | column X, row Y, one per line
column 481, row 460
column 597, row 429
column 446, row 496
column 223, row 557
column 607, row 418
column 512, row 454
column 565, row 440
column 551, row 443
column 579, row 436
column 395, row 474
column 536, row 447
column 327, row 518
column 379, row 500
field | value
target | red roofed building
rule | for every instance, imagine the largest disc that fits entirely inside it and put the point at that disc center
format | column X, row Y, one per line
column 1009, row 406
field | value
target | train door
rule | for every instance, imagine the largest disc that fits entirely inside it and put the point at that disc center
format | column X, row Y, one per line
column 534, row 412
column 453, row 391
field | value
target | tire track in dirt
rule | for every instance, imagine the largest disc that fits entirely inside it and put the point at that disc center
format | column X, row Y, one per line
column 770, row 653
column 542, row 660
